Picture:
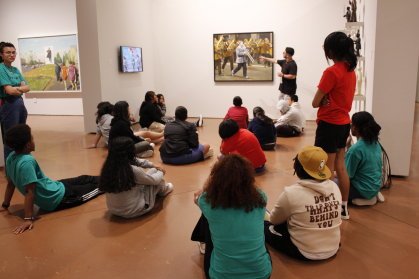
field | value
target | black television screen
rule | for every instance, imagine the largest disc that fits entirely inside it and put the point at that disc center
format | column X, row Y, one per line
column 131, row 59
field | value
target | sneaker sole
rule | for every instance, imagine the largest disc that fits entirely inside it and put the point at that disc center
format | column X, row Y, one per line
column 364, row 202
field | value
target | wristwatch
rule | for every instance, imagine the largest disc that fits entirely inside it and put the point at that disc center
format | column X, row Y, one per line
column 29, row 218
column 283, row 75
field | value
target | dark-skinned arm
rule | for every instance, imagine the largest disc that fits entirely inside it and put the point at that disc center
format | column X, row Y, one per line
column 29, row 202
column 10, row 189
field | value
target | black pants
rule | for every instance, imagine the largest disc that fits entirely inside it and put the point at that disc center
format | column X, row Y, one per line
column 217, row 64
column 202, row 233
column 79, row 190
column 282, row 242
column 226, row 59
column 285, row 131
column 239, row 66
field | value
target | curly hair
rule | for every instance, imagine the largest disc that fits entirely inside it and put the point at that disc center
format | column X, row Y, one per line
column 117, row 175
column 231, row 184
column 17, row 137
column 120, row 112
column 2, row 46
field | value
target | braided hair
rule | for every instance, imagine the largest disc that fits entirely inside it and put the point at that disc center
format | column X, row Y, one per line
column 342, row 48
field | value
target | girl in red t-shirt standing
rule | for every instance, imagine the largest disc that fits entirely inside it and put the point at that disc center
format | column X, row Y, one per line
column 334, row 99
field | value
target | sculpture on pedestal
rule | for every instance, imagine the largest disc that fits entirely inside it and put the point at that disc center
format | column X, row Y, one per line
column 359, row 82
column 348, row 14
column 357, row 42
column 353, row 10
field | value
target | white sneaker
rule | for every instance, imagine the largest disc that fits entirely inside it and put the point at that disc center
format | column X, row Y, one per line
column 380, row 197
column 168, row 189
column 246, row 77
column 145, row 154
column 232, row 73
column 209, row 153
column 152, row 145
column 362, row 202
column 200, row 121
column 201, row 246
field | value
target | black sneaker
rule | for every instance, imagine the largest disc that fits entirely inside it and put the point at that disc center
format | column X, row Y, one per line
column 345, row 212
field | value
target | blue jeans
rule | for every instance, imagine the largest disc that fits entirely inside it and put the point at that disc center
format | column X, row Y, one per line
column 195, row 156
column 12, row 112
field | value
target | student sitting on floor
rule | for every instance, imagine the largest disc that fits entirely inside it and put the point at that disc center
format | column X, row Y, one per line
column 181, row 145
column 161, row 105
column 293, row 102
column 121, row 127
column 304, row 223
column 263, row 128
column 104, row 126
column 24, row 173
column 130, row 191
column 363, row 161
column 230, row 230
column 238, row 113
column 241, row 141
column 150, row 117
column 290, row 123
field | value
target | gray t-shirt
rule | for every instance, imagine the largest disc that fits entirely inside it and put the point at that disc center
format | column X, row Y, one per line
column 104, row 126
column 130, row 204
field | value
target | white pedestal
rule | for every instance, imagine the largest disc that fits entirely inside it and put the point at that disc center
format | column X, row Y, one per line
column 359, row 100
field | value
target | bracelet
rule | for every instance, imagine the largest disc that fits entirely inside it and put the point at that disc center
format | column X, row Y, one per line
column 283, row 75
column 29, row 218
column 5, row 206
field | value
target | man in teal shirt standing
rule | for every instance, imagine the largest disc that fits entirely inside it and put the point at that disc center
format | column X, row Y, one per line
column 24, row 173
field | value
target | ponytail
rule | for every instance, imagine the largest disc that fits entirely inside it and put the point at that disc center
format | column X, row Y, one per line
column 370, row 131
column 367, row 127
column 259, row 113
column 342, row 48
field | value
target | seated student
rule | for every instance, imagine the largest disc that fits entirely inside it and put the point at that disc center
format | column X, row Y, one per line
column 99, row 107
column 241, row 141
column 121, row 127
column 263, row 128
column 363, row 161
column 293, row 102
column 238, row 113
column 290, row 123
column 161, row 105
column 181, row 145
column 130, row 191
column 24, row 173
column 304, row 223
column 230, row 230
column 150, row 115
column 104, row 126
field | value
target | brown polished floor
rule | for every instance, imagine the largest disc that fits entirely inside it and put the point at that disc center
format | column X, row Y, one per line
column 380, row 241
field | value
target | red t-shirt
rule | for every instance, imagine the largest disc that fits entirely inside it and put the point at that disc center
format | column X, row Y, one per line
column 339, row 85
column 246, row 144
column 239, row 114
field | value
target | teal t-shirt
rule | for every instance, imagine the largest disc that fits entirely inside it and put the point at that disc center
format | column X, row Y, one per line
column 239, row 242
column 364, row 165
column 7, row 78
column 23, row 169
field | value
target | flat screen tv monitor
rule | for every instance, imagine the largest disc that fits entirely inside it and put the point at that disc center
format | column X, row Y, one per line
column 131, row 59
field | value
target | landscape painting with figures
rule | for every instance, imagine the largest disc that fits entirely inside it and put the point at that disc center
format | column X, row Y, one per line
column 236, row 56
column 50, row 63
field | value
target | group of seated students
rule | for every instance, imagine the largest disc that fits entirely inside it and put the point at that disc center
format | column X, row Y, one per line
column 304, row 223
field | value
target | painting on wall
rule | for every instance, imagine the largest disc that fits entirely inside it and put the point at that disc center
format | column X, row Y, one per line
column 237, row 56
column 50, row 63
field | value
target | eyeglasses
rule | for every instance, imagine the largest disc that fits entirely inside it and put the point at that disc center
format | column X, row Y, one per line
column 10, row 53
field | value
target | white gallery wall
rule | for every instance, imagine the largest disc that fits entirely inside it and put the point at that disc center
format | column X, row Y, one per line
column 183, row 61
column 392, row 98
column 29, row 18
